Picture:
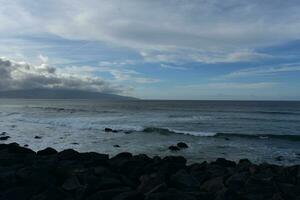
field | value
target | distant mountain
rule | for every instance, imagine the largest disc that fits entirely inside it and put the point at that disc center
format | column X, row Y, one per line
column 60, row 94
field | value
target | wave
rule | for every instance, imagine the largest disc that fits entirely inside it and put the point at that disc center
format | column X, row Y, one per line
column 166, row 131
column 71, row 110
column 260, row 136
column 278, row 112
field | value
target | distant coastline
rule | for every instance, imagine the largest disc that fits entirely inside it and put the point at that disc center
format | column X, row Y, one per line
column 60, row 94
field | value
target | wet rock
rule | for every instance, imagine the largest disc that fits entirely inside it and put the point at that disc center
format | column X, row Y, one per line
column 26, row 145
column 68, row 154
column 111, row 130
column 75, row 143
column 46, row 152
column 152, row 183
column 182, row 145
column 128, row 132
column 18, row 193
column 4, row 137
column 279, row 158
column 119, row 161
column 174, row 148
column 131, row 195
column 117, row 146
column 108, row 194
column 183, row 180
column 3, row 133
column 14, row 148
column 71, row 183
column 52, row 193
column 171, row 194
column 224, row 163
column 37, row 137
column 108, row 130
column 213, row 185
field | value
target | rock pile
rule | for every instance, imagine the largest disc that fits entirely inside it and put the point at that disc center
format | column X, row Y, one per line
column 52, row 175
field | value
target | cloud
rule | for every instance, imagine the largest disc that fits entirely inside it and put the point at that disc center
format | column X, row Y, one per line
column 126, row 75
column 172, row 67
column 198, row 30
column 264, row 70
column 232, row 86
column 21, row 75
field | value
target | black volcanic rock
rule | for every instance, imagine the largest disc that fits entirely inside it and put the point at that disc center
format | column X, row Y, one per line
column 173, row 148
column 46, row 152
column 70, row 175
column 182, row 145
column 4, row 137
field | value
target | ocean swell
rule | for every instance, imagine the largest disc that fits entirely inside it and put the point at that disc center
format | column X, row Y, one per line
column 166, row 131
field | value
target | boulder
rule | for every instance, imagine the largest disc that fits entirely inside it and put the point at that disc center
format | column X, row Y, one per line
column 68, row 154
column 72, row 183
column 18, row 193
column 213, row 185
column 182, row 180
column 182, row 145
column 3, row 133
column 4, row 137
column 131, row 195
column 224, row 163
column 108, row 194
column 174, row 148
column 171, row 194
column 46, row 152
column 152, row 183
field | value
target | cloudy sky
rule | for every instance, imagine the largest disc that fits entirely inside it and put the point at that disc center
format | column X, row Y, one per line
column 158, row 49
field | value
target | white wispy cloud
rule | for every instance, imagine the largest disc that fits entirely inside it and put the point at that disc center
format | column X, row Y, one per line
column 263, row 70
column 172, row 67
column 231, row 86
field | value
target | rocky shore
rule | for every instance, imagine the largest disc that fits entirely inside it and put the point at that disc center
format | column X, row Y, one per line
column 69, row 175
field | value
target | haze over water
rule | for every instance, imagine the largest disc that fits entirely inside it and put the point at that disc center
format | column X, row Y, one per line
column 263, row 131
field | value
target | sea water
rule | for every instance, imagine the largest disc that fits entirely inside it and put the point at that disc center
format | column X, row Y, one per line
column 262, row 131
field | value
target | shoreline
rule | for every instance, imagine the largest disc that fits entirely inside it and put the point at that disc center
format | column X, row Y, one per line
column 48, row 174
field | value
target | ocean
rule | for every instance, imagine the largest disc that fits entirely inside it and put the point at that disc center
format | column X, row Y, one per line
column 262, row 131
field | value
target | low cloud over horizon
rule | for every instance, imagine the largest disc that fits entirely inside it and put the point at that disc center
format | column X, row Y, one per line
column 20, row 75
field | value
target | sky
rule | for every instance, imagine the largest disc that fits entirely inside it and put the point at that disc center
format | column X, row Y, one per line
column 158, row 49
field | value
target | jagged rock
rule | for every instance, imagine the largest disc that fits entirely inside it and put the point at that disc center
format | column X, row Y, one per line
column 111, row 130
column 183, row 180
column 52, row 193
column 72, row 183
column 131, row 195
column 46, row 152
column 68, row 154
column 171, row 194
column 182, row 145
column 108, row 194
column 4, row 137
column 224, row 163
column 152, row 183
column 213, row 185
column 18, row 193
column 174, row 148
column 279, row 158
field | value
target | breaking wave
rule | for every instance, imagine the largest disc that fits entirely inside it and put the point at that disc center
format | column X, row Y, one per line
column 166, row 131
